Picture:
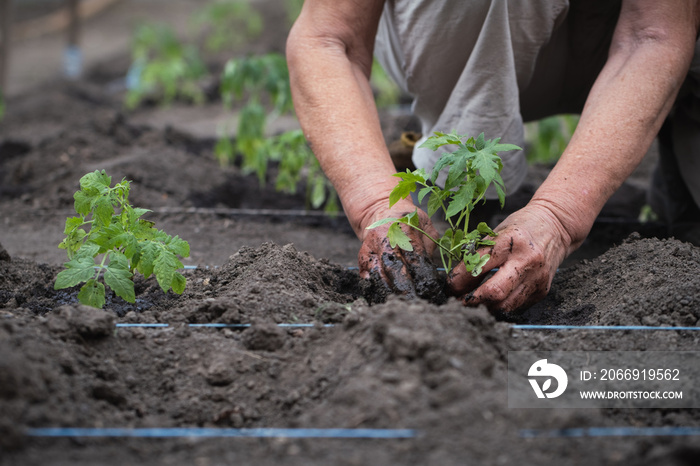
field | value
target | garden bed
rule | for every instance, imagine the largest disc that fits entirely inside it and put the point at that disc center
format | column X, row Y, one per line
column 341, row 360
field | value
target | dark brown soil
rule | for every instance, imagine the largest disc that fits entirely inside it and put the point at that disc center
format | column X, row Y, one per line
column 439, row 369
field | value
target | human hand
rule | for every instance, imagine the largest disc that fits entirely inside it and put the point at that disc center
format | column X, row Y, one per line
column 530, row 245
column 410, row 273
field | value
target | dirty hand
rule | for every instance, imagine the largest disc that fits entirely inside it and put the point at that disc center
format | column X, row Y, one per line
column 530, row 245
column 410, row 273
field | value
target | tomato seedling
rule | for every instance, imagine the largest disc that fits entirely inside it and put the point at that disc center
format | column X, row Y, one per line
column 265, row 79
column 472, row 168
column 163, row 67
column 124, row 241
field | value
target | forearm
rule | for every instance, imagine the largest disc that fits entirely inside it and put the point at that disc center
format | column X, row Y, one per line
column 623, row 113
column 335, row 106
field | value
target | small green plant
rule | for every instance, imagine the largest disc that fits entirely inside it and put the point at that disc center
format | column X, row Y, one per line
column 163, row 67
column 472, row 168
column 263, row 82
column 647, row 214
column 229, row 24
column 296, row 161
column 125, row 242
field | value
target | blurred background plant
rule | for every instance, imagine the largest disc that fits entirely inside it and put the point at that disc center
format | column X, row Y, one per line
column 261, row 83
column 386, row 92
column 228, row 24
column 546, row 139
column 163, row 67
column 256, row 81
column 166, row 68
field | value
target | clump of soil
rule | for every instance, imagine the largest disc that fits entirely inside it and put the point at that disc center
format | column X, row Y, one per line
column 274, row 284
column 643, row 281
column 26, row 284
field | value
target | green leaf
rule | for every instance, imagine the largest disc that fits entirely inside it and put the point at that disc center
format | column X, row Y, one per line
column 109, row 236
column 474, row 263
column 457, row 173
column 88, row 250
column 402, row 190
column 143, row 230
column 416, row 176
column 458, row 241
column 136, row 212
column 484, row 229
column 461, row 199
column 479, row 143
column 478, row 267
column 489, row 165
column 72, row 223
column 82, row 202
column 398, row 237
column 434, row 203
column 501, row 193
column 95, row 182
column 103, row 209
column 179, row 246
column 423, row 192
column 441, row 139
column 165, row 267
column 446, row 241
column 444, row 160
column 78, row 270
column 73, row 242
column 505, row 147
column 412, row 219
column 130, row 245
column 119, row 278
column 149, row 253
column 92, row 294
column 179, row 282
column 381, row 222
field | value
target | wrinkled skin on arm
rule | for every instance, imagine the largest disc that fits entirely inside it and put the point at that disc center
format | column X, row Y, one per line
column 329, row 51
column 649, row 57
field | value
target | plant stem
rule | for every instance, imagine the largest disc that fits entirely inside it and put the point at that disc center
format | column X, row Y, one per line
column 101, row 267
column 442, row 248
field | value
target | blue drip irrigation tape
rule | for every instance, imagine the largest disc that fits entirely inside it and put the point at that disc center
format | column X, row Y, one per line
column 223, row 432
column 611, row 432
column 598, row 327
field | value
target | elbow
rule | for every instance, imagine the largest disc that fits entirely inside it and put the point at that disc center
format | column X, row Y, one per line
column 308, row 42
column 293, row 48
column 672, row 42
